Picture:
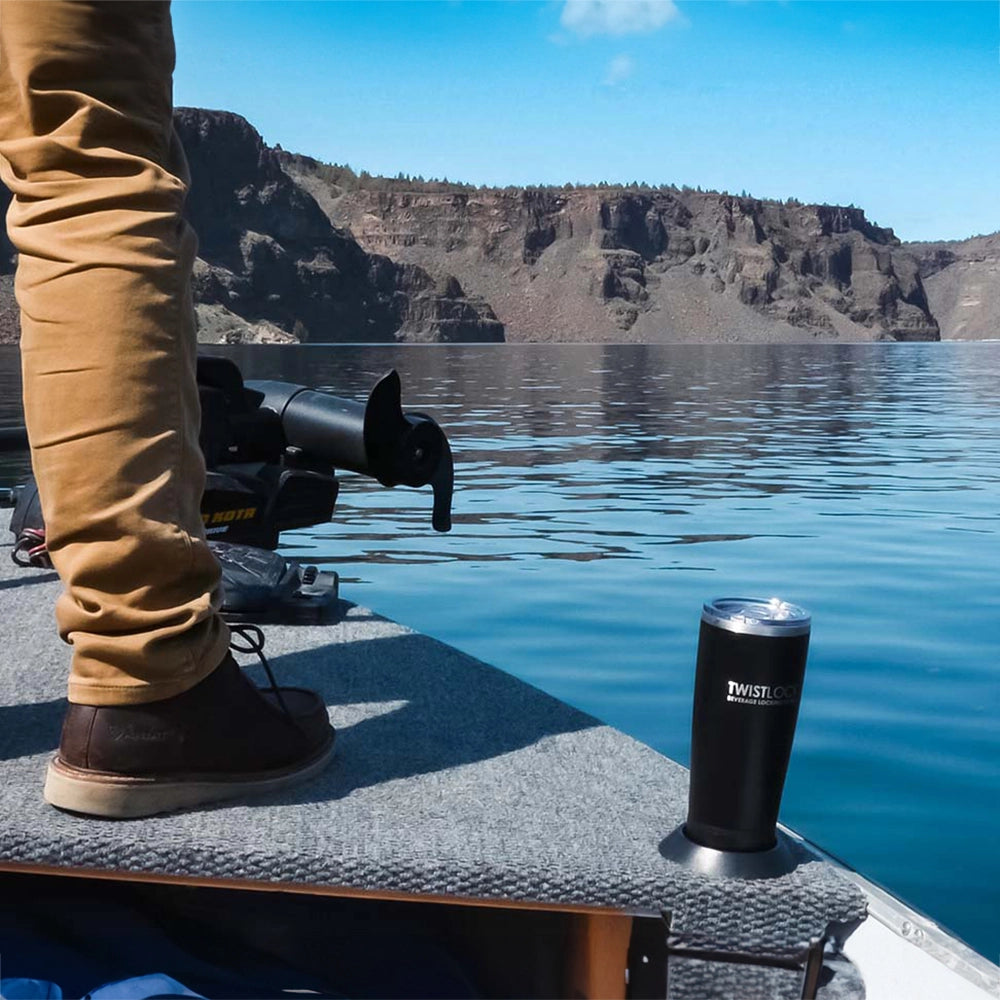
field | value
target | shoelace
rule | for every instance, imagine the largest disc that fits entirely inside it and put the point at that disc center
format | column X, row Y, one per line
column 30, row 549
column 250, row 639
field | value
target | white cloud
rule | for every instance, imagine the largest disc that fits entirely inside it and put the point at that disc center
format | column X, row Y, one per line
column 617, row 17
column 620, row 68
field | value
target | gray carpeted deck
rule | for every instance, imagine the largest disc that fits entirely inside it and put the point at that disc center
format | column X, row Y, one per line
column 451, row 778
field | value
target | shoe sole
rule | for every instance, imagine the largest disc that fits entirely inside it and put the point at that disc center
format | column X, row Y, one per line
column 115, row 796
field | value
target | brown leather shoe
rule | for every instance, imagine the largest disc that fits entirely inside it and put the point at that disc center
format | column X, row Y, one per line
column 225, row 738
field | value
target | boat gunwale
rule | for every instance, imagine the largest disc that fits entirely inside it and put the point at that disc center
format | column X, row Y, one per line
column 925, row 933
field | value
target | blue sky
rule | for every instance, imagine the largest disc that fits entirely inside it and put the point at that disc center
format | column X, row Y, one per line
column 893, row 106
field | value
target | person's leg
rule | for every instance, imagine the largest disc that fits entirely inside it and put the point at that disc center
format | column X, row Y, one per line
column 160, row 716
column 108, row 341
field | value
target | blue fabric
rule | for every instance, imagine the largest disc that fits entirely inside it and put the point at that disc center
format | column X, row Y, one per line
column 29, row 989
column 156, row 986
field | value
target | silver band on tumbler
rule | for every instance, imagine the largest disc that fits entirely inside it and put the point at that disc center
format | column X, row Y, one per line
column 753, row 616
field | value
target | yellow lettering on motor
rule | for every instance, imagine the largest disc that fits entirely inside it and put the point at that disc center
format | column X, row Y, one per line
column 227, row 516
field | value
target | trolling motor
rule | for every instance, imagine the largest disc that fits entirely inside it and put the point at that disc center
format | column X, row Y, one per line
column 271, row 450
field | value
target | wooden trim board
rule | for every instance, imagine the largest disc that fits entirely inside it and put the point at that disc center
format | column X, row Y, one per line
column 306, row 888
column 587, row 959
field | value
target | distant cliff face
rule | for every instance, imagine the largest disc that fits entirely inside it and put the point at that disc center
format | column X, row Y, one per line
column 606, row 264
column 962, row 279
column 270, row 256
column 288, row 253
column 272, row 268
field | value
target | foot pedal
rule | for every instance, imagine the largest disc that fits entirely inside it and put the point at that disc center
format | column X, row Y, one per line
column 265, row 588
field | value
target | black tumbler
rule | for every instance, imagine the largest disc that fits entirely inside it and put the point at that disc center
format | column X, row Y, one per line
column 751, row 662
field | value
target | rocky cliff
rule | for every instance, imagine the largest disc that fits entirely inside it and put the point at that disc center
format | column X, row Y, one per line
column 643, row 265
column 962, row 279
column 292, row 249
column 272, row 267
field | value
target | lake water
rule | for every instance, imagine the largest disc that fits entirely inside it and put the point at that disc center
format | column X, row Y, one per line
column 603, row 493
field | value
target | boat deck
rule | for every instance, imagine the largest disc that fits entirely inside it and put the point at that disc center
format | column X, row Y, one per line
column 452, row 782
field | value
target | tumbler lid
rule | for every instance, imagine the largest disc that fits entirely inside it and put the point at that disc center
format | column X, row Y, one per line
column 757, row 616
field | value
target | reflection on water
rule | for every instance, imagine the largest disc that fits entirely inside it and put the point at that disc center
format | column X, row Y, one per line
column 604, row 492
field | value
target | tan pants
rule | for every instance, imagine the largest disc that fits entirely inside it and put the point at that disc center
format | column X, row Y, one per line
column 88, row 149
